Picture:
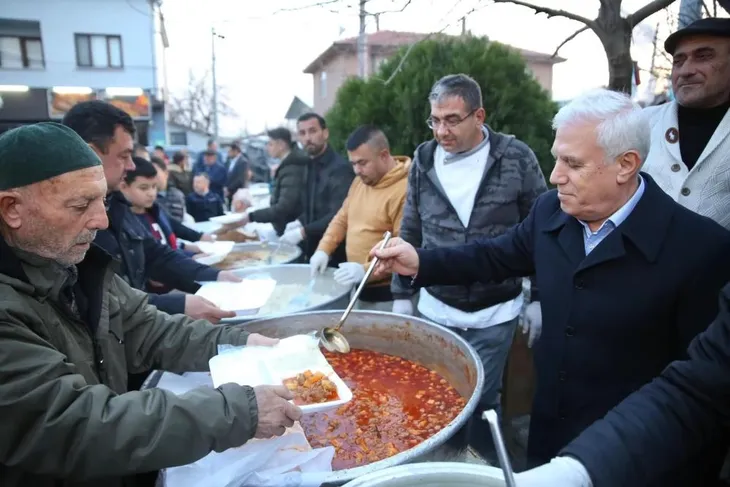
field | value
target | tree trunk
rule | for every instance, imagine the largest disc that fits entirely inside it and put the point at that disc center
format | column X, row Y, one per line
column 620, row 64
column 615, row 35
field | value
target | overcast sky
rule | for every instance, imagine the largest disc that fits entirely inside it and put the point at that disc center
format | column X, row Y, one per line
column 265, row 49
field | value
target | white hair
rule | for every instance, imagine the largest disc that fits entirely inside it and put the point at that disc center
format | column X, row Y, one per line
column 621, row 125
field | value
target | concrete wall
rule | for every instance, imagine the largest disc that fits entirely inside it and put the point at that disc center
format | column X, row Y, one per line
column 60, row 20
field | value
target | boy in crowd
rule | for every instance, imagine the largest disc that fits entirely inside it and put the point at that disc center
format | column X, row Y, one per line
column 170, row 198
column 202, row 204
column 140, row 189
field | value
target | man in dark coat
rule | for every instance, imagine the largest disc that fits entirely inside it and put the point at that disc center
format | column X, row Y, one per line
column 237, row 167
column 286, row 196
column 668, row 422
column 110, row 131
column 327, row 179
column 627, row 276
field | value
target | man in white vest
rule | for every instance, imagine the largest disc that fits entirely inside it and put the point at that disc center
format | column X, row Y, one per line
column 690, row 139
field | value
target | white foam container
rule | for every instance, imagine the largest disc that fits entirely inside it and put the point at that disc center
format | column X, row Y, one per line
column 254, row 366
column 227, row 218
column 343, row 392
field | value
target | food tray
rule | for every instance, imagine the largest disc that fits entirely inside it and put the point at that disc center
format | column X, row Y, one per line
column 254, row 366
column 228, row 218
column 343, row 392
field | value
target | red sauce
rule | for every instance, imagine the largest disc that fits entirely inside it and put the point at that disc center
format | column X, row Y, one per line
column 397, row 404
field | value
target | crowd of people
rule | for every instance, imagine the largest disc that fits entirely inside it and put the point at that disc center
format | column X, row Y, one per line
column 625, row 259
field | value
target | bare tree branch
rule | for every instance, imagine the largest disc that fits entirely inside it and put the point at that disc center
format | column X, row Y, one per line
column 405, row 6
column 652, row 7
column 570, row 38
column 194, row 107
column 707, row 9
column 551, row 12
column 323, row 3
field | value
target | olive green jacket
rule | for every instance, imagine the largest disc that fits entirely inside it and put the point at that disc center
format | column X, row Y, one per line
column 67, row 419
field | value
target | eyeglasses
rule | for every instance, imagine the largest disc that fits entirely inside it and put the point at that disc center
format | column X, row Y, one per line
column 449, row 122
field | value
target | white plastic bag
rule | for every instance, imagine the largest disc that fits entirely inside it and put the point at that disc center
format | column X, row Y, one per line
column 286, row 461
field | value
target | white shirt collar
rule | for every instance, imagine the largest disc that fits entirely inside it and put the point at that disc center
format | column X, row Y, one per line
column 620, row 215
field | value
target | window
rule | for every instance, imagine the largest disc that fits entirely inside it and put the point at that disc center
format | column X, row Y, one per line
column 323, row 84
column 98, row 51
column 21, row 52
column 178, row 138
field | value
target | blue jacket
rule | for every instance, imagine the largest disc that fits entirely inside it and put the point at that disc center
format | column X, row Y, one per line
column 203, row 208
column 142, row 258
column 668, row 422
column 218, row 175
column 612, row 320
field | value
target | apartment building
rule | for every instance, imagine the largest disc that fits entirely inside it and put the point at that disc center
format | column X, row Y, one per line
column 54, row 54
column 339, row 62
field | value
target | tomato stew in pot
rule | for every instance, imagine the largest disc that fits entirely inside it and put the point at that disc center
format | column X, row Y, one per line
column 397, row 404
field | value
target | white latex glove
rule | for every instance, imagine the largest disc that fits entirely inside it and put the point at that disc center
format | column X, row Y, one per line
column 318, row 262
column 349, row 273
column 293, row 225
column 403, row 306
column 292, row 237
column 268, row 235
column 532, row 325
column 562, row 471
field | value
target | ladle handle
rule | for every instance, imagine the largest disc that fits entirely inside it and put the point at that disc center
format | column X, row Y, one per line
column 386, row 237
column 493, row 420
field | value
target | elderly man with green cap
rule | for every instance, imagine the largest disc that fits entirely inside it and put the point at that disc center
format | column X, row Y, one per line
column 71, row 330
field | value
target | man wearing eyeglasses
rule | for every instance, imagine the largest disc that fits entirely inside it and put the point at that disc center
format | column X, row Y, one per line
column 466, row 183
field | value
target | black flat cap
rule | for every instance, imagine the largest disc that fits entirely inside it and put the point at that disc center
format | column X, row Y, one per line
column 716, row 27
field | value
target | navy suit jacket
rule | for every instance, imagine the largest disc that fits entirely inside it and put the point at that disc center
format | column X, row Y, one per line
column 612, row 320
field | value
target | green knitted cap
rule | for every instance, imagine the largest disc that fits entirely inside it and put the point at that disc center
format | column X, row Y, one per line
column 34, row 153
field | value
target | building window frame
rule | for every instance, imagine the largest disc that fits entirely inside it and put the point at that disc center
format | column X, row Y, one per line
column 108, row 39
column 178, row 138
column 23, row 42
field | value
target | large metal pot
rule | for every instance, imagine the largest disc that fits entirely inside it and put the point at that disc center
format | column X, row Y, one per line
column 405, row 336
column 285, row 254
column 339, row 295
column 446, row 474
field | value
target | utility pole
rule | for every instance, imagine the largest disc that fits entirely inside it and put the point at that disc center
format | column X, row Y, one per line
column 214, row 108
column 362, row 48
column 463, row 25
column 689, row 11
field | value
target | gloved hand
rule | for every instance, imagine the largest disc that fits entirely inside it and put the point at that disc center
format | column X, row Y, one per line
column 292, row 225
column 349, row 273
column 403, row 306
column 562, row 471
column 532, row 325
column 292, row 237
column 318, row 262
column 268, row 235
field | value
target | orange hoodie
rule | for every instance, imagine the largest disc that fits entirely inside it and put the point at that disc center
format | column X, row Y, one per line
column 366, row 214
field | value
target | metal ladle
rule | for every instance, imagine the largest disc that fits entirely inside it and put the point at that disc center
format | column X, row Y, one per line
column 331, row 338
column 493, row 420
